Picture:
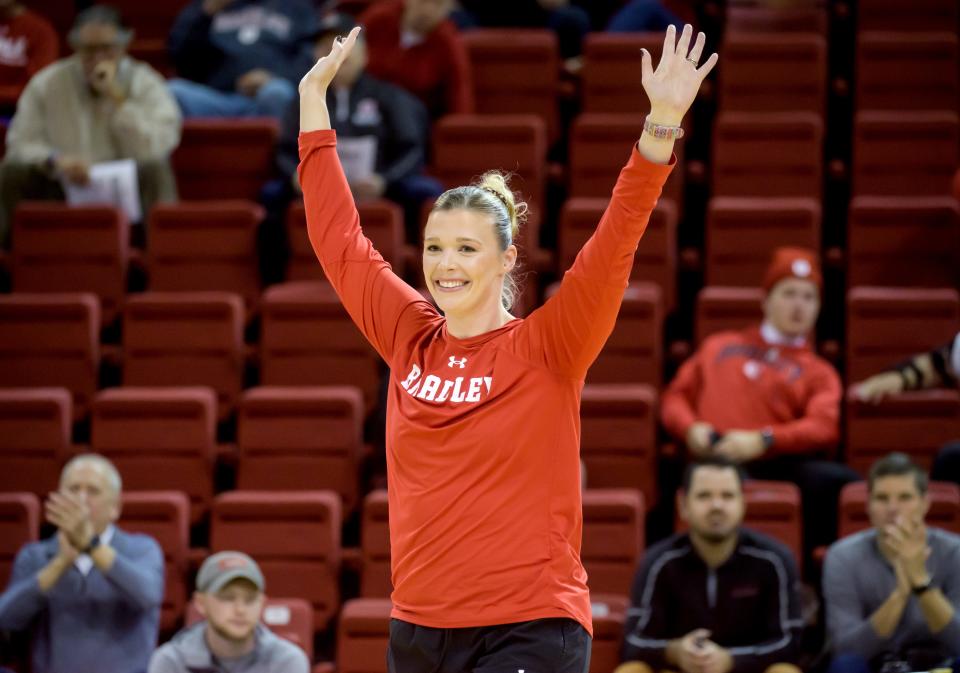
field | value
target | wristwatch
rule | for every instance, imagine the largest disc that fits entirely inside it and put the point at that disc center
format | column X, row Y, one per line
column 921, row 588
column 93, row 544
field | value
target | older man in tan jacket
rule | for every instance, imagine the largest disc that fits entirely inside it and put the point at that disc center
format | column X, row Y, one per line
column 97, row 105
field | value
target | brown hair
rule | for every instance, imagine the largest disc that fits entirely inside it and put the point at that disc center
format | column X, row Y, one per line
column 491, row 195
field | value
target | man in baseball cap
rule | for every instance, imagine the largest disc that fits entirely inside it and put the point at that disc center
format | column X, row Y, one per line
column 231, row 638
column 762, row 397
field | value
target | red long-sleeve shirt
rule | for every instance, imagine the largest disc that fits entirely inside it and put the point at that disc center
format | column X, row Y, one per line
column 436, row 70
column 483, row 433
column 737, row 381
column 27, row 43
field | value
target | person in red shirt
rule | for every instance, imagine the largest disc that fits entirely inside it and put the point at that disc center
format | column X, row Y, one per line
column 414, row 45
column 483, row 420
column 27, row 43
column 763, row 397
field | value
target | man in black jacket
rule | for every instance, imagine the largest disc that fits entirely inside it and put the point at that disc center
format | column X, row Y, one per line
column 718, row 598
column 381, row 130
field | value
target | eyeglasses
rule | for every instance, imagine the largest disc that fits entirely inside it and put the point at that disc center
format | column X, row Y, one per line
column 92, row 49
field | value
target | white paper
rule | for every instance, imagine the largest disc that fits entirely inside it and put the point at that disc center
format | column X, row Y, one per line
column 112, row 183
column 358, row 156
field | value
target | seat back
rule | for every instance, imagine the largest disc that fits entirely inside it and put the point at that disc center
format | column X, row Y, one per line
column 919, row 15
column 721, row 309
column 611, row 61
column 59, row 248
column 224, row 158
column 768, row 154
column 294, row 537
column 51, row 340
column 185, row 339
column 944, row 507
column 208, row 245
column 35, row 429
column 901, row 71
column 164, row 516
column 743, row 232
column 618, row 437
column 160, row 438
column 375, row 574
column 301, row 438
column 888, row 162
column 909, row 241
column 656, row 258
column 917, row 423
column 19, row 524
column 613, row 538
column 362, row 635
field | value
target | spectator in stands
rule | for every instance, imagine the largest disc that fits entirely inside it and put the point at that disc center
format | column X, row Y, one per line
column 230, row 598
column 641, row 16
column 241, row 58
column 27, row 43
column 892, row 592
column 719, row 597
column 763, row 398
column 91, row 594
column 570, row 22
column 381, row 132
column 98, row 105
column 413, row 44
column 938, row 368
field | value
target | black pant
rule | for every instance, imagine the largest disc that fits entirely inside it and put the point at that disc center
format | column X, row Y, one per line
column 556, row 645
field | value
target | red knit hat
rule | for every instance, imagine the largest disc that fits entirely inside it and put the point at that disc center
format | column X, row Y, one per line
column 799, row 263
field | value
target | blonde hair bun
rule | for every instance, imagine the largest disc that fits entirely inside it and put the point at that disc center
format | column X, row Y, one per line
column 497, row 183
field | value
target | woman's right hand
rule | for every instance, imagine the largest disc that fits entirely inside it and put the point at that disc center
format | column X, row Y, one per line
column 321, row 74
column 880, row 386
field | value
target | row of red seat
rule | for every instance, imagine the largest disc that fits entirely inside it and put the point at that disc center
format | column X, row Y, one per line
column 295, row 537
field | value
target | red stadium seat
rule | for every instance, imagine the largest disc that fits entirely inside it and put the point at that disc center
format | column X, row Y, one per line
column 51, row 340
column 917, row 423
column 35, row 425
column 465, row 146
column 308, row 339
column 917, row 15
column 768, row 154
column 773, row 508
column 57, row 248
column 907, row 71
column 208, row 245
column 885, row 325
column 727, row 308
column 185, row 339
column 634, row 350
column 613, row 529
column 294, row 537
column 151, row 23
column 375, row 575
column 289, row 618
column 159, row 438
column 752, row 78
column 224, row 158
column 742, row 234
column 607, row 637
column 516, row 71
column 295, row 439
column 889, row 162
column 362, row 636
column 944, row 507
column 382, row 223
column 600, row 145
column 656, row 257
column 618, row 437
column 19, row 524
column 164, row 516
column 610, row 78
column 903, row 241
column 800, row 19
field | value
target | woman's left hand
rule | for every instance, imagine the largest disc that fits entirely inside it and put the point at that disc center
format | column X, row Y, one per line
column 673, row 86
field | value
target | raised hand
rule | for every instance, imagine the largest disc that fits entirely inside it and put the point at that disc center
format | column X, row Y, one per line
column 71, row 515
column 321, row 74
column 673, row 85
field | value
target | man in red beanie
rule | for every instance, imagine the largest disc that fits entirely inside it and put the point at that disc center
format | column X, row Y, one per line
column 764, row 398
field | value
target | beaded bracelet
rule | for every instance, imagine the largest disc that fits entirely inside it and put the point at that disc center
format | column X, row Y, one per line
column 661, row 131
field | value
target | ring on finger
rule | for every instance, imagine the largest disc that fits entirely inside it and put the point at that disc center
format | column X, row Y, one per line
column 693, row 60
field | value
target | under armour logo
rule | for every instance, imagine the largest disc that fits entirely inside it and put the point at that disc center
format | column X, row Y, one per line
column 458, row 363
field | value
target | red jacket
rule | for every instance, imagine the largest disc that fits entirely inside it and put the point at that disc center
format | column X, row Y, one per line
column 736, row 381
column 436, row 70
column 483, row 433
